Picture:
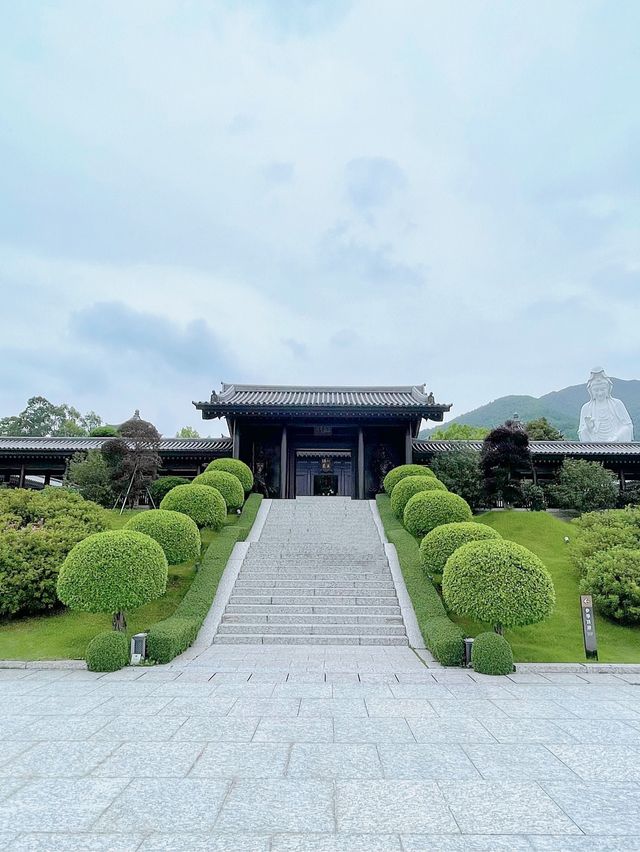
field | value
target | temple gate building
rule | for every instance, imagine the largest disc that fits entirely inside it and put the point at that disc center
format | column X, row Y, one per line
column 306, row 441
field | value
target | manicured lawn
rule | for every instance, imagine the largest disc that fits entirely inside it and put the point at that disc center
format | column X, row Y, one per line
column 65, row 635
column 560, row 638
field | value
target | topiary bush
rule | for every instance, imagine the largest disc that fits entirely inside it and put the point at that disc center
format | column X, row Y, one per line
column 428, row 509
column 397, row 473
column 203, row 504
column 438, row 545
column 498, row 582
column 237, row 468
column 491, row 654
column 227, row 484
column 108, row 652
column 164, row 484
column 410, row 485
column 176, row 533
column 113, row 571
column 613, row 579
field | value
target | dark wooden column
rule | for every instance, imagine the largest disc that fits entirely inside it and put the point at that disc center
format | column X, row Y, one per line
column 408, row 446
column 47, row 478
column 283, row 463
column 236, row 440
column 360, row 463
column 21, row 478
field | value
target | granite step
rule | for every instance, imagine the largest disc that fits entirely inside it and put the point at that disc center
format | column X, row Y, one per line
column 306, row 639
column 299, row 609
column 314, row 600
column 308, row 618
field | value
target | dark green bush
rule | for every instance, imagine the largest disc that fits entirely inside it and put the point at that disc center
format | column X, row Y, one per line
column 533, row 497
column 37, row 531
column 459, row 470
column 444, row 642
column 108, row 652
column 613, row 579
column 227, row 484
column 163, row 485
column 203, row 504
column 598, row 532
column 491, row 654
column 175, row 634
column 237, row 468
column 410, row 485
column 394, row 476
column 438, row 545
column 113, row 571
column 498, row 582
column 175, row 532
column 428, row 509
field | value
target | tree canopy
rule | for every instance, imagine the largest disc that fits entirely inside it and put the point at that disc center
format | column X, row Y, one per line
column 542, row 430
column 460, row 432
column 41, row 418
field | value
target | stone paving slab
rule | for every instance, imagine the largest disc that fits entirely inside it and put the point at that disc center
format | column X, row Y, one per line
column 317, row 750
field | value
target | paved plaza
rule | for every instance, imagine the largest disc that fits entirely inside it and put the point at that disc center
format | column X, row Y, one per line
column 318, row 749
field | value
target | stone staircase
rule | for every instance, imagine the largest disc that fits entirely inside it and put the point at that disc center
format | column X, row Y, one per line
column 317, row 575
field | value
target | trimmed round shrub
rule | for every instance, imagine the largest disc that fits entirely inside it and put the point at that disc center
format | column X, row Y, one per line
column 438, row 545
column 491, row 654
column 227, row 484
column 108, row 652
column 428, row 509
column 397, row 473
column 203, row 504
column 237, row 468
column 410, row 485
column 113, row 571
column 613, row 579
column 164, row 484
column 176, row 533
column 498, row 582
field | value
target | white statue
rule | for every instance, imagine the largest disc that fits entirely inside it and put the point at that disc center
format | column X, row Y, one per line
column 604, row 419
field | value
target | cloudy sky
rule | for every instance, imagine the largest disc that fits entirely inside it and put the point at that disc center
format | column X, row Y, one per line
column 315, row 191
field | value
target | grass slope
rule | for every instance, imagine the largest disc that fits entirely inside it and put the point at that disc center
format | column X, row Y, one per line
column 560, row 638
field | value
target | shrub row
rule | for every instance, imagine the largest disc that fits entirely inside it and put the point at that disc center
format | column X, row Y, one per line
column 175, row 634
column 442, row 637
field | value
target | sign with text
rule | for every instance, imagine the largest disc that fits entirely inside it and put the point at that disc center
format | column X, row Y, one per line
column 322, row 430
column 589, row 627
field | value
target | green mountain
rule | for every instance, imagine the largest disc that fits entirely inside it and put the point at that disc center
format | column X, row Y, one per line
column 561, row 408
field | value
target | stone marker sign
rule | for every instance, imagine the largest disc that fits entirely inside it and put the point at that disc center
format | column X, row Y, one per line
column 589, row 627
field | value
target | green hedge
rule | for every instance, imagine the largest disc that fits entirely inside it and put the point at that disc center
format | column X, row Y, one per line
column 438, row 545
column 397, row 473
column 613, row 578
column 428, row 509
column 491, row 654
column 203, row 504
column 175, row 634
column 108, row 652
column 408, row 487
column 498, row 582
column 237, row 468
column 227, row 484
column 113, row 571
column 442, row 637
column 176, row 533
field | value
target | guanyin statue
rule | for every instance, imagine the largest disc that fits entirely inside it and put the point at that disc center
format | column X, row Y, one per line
column 604, row 419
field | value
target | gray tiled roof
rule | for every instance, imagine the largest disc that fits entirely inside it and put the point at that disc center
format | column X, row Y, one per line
column 538, row 448
column 75, row 444
column 403, row 396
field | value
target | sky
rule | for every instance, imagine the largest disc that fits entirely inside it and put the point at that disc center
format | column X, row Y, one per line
column 315, row 192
